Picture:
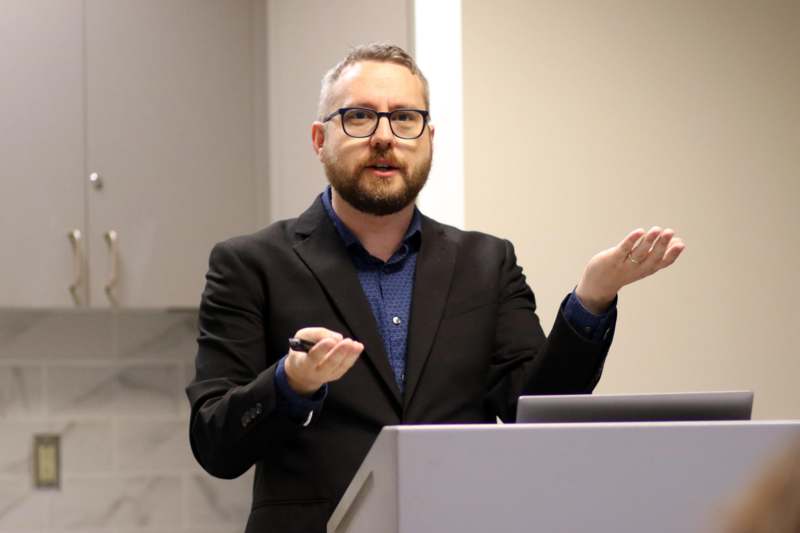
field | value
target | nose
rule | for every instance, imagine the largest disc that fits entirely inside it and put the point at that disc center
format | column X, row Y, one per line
column 383, row 135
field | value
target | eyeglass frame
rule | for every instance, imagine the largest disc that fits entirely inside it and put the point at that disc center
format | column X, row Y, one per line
column 380, row 114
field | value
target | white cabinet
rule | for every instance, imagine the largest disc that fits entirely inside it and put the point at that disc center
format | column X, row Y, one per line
column 170, row 129
column 159, row 99
column 41, row 149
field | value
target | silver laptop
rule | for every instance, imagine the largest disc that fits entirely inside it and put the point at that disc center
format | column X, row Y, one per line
column 681, row 406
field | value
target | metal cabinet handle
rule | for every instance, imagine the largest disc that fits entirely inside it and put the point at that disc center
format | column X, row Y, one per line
column 112, row 240
column 75, row 237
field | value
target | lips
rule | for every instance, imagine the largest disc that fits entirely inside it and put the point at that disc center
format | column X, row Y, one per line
column 382, row 172
column 384, row 166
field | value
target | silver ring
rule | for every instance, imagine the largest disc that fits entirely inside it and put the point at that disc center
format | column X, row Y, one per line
column 634, row 260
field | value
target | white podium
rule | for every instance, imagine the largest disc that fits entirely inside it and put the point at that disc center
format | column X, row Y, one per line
column 600, row 477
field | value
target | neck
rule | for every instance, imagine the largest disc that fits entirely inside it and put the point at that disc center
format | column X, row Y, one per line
column 380, row 235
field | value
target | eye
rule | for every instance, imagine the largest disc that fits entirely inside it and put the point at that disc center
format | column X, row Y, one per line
column 359, row 115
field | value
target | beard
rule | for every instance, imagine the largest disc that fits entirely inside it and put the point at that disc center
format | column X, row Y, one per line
column 372, row 195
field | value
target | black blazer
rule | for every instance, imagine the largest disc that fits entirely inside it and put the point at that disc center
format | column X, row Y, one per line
column 475, row 344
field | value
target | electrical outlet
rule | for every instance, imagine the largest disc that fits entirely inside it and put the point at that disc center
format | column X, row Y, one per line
column 47, row 461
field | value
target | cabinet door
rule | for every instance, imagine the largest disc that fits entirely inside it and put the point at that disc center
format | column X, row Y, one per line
column 170, row 130
column 41, row 150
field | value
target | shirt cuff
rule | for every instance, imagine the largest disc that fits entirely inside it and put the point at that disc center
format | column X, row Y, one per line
column 299, row 408
column 596, row 328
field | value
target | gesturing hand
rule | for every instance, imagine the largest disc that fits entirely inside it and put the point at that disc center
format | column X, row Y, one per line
column 637, row 256
column 327, row 361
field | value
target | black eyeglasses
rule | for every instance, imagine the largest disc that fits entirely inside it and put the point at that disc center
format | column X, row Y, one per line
column 361, row 122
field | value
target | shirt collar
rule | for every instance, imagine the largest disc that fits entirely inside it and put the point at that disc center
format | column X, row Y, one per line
column 414, row 228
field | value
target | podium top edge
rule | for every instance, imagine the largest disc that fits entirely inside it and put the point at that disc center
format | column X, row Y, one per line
column 682, row 394
column 428, row 428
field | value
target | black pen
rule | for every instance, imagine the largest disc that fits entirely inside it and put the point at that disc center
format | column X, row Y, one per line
column 300, row 345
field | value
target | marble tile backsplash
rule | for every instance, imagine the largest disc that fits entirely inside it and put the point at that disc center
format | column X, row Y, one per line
column 111, row 384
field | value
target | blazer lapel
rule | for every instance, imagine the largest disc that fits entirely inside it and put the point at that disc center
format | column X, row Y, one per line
column 322, row 251
column 435, row 264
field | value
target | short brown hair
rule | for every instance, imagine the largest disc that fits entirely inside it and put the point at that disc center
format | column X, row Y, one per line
column 381, row 52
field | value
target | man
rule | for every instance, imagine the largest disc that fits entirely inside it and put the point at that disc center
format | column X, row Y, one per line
column 410, row 321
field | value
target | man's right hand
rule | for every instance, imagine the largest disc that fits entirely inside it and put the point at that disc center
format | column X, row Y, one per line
column 329, row 359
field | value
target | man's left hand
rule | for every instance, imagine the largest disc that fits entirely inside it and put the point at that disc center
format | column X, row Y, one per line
column 639, row 255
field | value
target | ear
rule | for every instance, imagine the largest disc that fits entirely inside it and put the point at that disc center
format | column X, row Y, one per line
column 317, row 136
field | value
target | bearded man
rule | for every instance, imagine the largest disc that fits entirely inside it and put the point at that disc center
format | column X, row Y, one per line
column 405, row 320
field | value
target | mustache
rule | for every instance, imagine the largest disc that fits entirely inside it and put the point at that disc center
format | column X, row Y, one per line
column 383, row 159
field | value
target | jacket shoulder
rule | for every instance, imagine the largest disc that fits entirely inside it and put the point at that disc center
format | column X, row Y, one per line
column 469, row 240
column 277, row 235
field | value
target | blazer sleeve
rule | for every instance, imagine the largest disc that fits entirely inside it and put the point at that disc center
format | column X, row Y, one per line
column 233, row 396
column 524, row 360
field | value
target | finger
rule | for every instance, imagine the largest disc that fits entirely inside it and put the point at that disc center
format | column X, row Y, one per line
column 348, row 359
column 660, row 246
column 333, row 358
column 673, row 252
column 316, row 334
column 624, row 248
column 320, row 350
column 642, row 249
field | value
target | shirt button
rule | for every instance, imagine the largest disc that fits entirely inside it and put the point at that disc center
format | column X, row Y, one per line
column 396, row 320
column 587, row 330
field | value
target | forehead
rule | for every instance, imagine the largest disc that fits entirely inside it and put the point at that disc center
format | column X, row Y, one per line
column 378, row 84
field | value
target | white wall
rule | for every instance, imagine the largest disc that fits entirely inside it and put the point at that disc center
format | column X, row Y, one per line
column 585, row 120
column 437, row 50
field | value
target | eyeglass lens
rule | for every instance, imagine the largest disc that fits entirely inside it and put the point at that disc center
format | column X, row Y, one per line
column 405, row 123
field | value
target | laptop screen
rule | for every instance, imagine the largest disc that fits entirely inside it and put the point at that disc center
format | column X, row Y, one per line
column 682, row 406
